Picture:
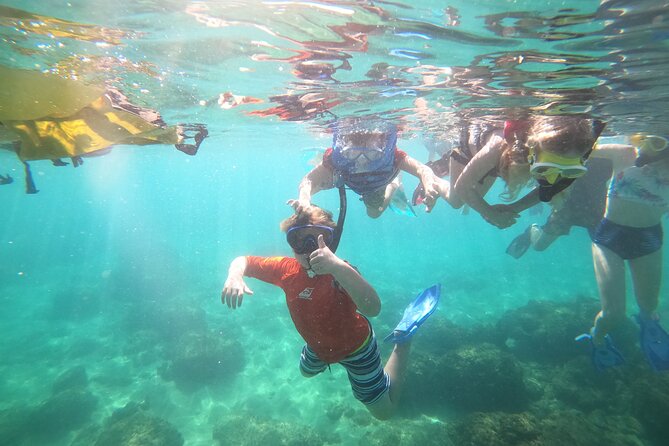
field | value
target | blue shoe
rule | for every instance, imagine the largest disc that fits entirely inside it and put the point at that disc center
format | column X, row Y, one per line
column 415, row 314
column 654, row 343
column 605, row 356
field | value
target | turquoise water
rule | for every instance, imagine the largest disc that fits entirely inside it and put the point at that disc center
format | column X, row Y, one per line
column 110, row 276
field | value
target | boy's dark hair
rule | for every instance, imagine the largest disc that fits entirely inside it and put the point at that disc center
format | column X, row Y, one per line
column 313, row 215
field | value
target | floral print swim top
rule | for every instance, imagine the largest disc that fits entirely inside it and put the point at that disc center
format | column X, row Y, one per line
column 648, row 185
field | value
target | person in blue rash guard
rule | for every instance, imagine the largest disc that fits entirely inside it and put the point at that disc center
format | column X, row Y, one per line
column 364, row 157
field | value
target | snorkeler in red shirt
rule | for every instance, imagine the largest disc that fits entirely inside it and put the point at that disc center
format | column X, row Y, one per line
column 329, row 303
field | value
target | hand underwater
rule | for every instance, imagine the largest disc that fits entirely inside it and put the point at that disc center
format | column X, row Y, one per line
column 322, row 260
column 233, row 292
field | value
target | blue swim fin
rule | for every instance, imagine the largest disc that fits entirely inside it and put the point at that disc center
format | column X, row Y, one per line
column 415, row 314
column 654, row 343
column 604, row 356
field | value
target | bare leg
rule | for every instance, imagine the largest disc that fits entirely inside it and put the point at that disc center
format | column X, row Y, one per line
column 396, row 368
column 375, row 207
column 647, row 275
column 610, row 275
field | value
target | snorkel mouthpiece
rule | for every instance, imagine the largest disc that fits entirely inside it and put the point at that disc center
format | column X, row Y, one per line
column 551, row 178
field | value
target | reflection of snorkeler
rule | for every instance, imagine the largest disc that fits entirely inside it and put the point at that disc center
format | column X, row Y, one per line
column 48, row 118
column 300, row 107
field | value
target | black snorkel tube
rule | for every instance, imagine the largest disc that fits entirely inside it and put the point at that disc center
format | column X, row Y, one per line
column 336, row 237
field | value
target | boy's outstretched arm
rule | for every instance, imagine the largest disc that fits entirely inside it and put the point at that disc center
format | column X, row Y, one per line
column 235, row 287
column 324, row 261
column 466, row 187
column 427, row 179
column 621, row 155
column 318, row 179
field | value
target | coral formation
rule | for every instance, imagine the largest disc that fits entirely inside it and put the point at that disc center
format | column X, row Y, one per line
column 249, row 430
column 132, row 425
column 471, row 377
column 544, row 331
column 558, row 429
column 69, row 407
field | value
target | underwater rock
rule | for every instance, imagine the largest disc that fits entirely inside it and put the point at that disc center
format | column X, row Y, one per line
column 574, row 428
column 200, row 359
column 72, row 379
column 423, row 431
column 443, row 335
column 425, row 371
column 14, row 425
column 497, row 429
column 249, row 430
column 474, row 378
column 63, row 412
column 650, row 404
column 544, row 331
column 86, row 436
column 132, row 425
column 81, row 347
column 560, row 428
column 68, row 408
column 578, row 385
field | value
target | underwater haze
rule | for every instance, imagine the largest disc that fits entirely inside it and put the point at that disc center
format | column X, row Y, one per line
column 113, row 331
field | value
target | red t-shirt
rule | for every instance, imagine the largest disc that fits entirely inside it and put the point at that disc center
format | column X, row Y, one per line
column 399, row 156
column 323, row 313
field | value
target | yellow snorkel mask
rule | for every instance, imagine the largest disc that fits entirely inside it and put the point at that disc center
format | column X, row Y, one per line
column 649, row 143
column 650, row 148
column 550, row 167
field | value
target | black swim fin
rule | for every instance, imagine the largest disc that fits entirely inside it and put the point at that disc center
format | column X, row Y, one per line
column 520, row 244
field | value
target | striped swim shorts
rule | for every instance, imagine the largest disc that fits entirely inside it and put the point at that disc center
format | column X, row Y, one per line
column 365, row 373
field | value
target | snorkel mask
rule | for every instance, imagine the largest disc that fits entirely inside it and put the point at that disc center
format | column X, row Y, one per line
column 304, row 239
column 550, row 167
column 650, row 148
column 364, row 145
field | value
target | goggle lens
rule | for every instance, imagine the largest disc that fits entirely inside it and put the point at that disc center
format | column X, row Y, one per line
column 563, row 171
column 304, row 239
column 353, row 153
